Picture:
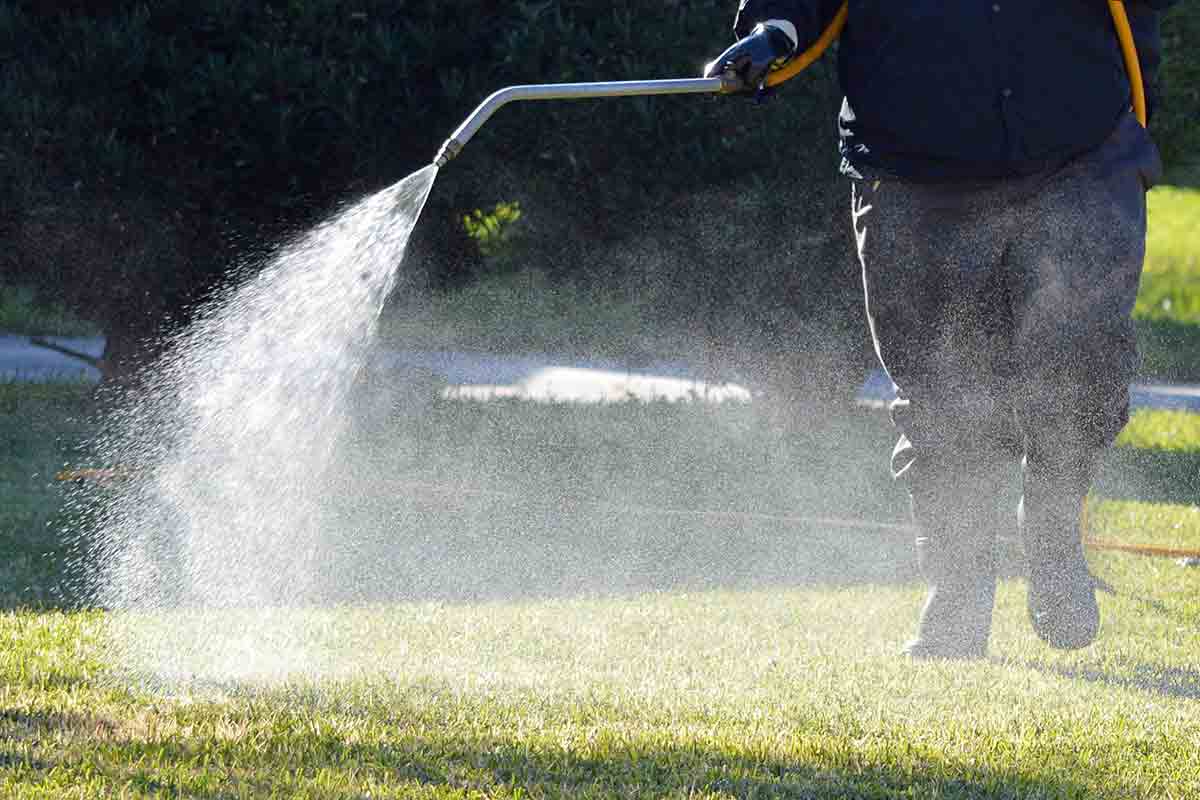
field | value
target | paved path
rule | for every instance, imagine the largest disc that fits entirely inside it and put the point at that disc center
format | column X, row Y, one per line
column 532, row 377
column 22, row 361
column 877, row 391
column 460, row 375
column 481, row 376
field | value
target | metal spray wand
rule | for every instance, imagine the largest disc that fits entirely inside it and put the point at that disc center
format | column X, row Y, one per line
column 568, row 91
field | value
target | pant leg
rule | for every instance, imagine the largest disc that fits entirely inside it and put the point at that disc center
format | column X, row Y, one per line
column 1077, row 263
column 937, row 303
column 938, row 306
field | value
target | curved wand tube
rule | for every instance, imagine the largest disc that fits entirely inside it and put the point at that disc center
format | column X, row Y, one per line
column 570, row 91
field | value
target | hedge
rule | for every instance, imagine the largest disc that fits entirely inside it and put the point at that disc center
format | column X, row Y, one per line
column 147, row 147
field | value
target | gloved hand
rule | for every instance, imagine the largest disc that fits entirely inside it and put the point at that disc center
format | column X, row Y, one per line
column 752, row 57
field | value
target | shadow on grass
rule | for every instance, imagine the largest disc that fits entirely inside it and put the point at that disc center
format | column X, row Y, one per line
column 1177, row 682
column 433, row 759
column 1150, row 476
column 527, row 501
column 502, row 546
column 634, row 769
column 1169, row 350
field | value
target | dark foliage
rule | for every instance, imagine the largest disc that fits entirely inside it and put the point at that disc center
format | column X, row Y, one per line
column 148, row 146
column 145, row 148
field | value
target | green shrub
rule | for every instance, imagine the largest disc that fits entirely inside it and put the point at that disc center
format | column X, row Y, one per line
column 493, row 231
column 1174, row 126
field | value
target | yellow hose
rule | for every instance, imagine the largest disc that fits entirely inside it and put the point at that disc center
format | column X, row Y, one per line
column 801, row 62
column 1129, row 52
column 1116, row 7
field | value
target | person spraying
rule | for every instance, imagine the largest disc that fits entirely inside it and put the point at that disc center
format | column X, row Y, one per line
column 998, row 177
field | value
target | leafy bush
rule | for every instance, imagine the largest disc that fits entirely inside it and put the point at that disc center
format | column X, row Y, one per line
column 1174, row 126
column 22, row 312
column 493, row 231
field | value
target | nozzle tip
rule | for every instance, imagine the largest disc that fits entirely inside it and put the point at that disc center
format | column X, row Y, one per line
column 449, row 150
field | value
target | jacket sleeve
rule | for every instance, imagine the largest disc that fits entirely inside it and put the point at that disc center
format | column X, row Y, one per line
column 809, row 16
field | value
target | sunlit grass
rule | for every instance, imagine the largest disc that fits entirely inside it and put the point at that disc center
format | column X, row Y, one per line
column 789, row 691
column 1162, row 430
column 1170, row 287
column 795, row 689
column 1157, row 524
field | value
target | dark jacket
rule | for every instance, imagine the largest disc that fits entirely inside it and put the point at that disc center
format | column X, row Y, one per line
column 943, row 90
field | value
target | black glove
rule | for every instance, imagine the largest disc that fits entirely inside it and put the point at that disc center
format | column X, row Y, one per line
column 751, row 58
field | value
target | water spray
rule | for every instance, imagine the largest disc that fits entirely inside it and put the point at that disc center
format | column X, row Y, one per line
column 206, row 546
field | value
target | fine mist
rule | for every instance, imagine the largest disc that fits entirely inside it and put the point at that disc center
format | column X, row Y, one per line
column 225, row 447
column 274, row 489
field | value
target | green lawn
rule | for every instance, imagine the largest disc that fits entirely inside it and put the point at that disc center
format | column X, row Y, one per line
column 22, row 312
column 1168, row 306
column 621, row 653
column 41, row 426
column 792, row 692
column 1177, row 431
column 1171, row 279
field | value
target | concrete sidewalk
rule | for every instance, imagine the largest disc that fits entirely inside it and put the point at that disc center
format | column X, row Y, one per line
column 22, row 361
column 877, row 391
column 456, row 375
column 542, row 378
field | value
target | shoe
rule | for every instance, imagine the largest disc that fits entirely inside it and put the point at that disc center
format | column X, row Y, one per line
column 956, row 621
column 954, row 494
column 921, row 650
column 1061, row 596
column 927, row 649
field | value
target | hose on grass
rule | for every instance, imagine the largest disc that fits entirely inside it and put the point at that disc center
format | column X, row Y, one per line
column 108, row 476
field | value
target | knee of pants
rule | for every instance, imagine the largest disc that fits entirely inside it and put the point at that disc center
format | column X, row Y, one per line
column 1072, row 385
column 1064, row 444
column 956, row 494
column 968, row 436
column 958, row 481
column 1077, row 358
column 1072, row 416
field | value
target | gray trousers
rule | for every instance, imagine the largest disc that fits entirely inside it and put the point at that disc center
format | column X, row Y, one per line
column 1001, row 311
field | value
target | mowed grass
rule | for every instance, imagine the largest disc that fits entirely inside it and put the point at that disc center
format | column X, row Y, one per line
column 41, row 429
column 1154, row 429
column 794, row 693
column 788, row 689
column 1170, row 286
column 1157, row 457
column 1168, row 304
